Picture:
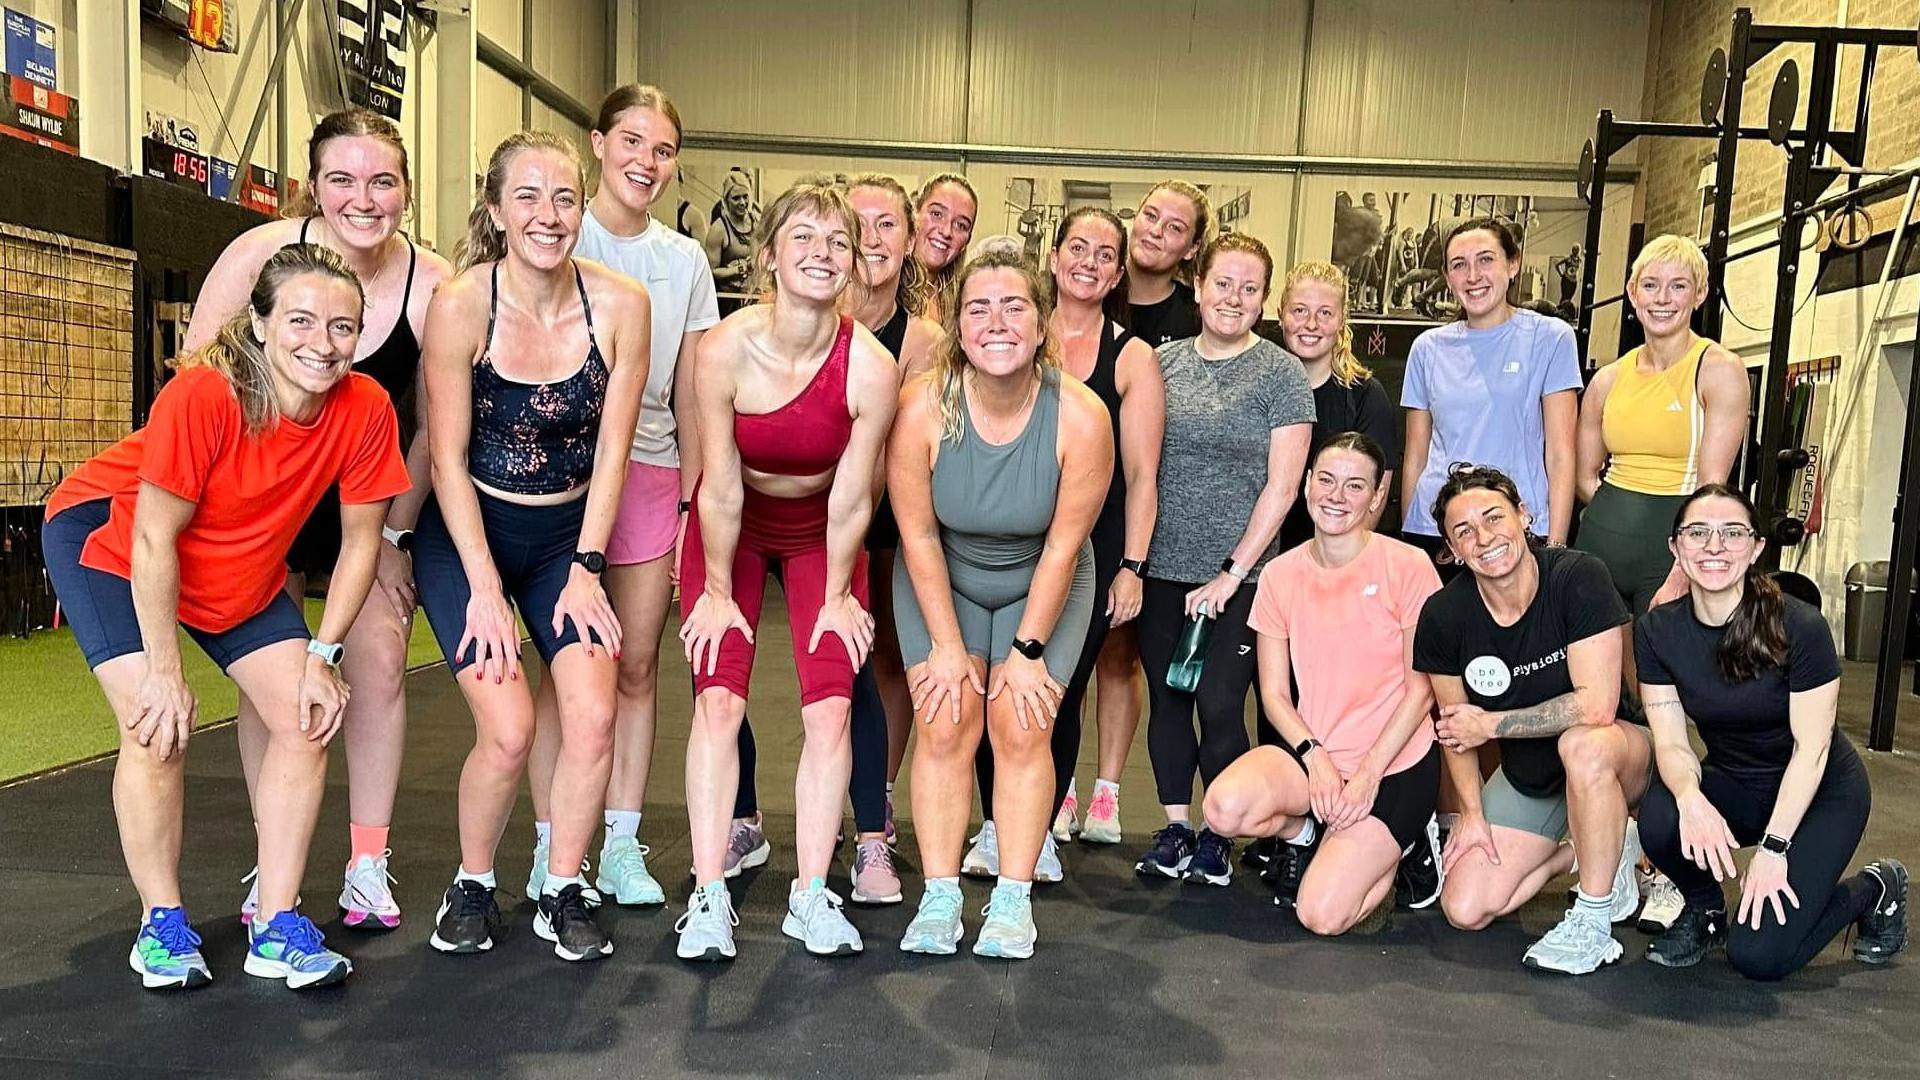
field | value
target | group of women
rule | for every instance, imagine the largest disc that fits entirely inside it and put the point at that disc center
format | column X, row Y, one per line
column 985, row 486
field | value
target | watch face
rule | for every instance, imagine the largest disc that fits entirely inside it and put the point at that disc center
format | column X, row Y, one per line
column 594, row 561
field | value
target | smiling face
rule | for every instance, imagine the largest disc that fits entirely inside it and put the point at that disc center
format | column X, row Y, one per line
column 1709, row 557
column 1487, row 532
column 540, row 207
column 311, row 333
column 1342, row 489
column 1165, row 233
column 1312, row 315
column 1088, row 262
column 944, row 225
column 885, row 228
column 812, row 256
column 361, row 190
column 1478, row 272
column 637, row 157
column 1664, row 297
column 1232, row 290
column 999, row 318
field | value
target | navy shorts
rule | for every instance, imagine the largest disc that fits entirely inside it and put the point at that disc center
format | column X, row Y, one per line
column 99, row 605
column 532, row 549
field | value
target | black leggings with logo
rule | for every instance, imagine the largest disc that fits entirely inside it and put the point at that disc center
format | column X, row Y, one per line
column 1220, row 702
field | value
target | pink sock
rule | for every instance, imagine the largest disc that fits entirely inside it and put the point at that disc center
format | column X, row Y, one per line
column 370, row 840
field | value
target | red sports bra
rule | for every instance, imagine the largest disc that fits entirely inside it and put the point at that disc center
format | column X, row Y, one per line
column 806, row 436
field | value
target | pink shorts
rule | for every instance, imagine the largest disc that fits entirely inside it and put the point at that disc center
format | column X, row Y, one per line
column 649, row 515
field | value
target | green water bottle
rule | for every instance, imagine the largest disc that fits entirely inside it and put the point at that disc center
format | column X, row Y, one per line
column 1191, row 654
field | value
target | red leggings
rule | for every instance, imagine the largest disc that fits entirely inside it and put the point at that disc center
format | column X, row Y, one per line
column 793, row 533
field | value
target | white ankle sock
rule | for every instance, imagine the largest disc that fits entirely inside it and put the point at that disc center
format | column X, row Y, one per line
column 486, row 878
column 623, row 823
column 543, row 833
column 1025, row 887
column 555, row 883
column 1071, row 794
column 1105, row 785
column 1304, row 838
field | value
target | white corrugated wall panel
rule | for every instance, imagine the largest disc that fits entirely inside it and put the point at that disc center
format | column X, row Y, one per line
column 1517, row 81
column 570, row 46
column 873, row 69
column 1127, row 74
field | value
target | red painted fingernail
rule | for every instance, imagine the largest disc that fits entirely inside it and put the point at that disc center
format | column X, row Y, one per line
column 515, row 676
column 479, row 676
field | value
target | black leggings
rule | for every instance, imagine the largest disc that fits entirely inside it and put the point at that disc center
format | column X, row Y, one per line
column 1823, row 846
column 867, row 787
column 1221, row 700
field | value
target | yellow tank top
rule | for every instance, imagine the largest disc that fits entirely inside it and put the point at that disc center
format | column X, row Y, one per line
column 1654, row 425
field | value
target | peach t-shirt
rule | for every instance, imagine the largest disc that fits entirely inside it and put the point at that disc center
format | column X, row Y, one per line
column 1345, row 630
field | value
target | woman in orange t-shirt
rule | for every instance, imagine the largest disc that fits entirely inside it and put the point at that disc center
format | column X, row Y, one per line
column 188, row 521
column 1351, row 788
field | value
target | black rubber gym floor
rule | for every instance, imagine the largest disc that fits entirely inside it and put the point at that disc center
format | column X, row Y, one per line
column 1132, row 978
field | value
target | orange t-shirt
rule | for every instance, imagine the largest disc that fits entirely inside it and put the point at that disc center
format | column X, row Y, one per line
column 252, row 495
column 1345, row 630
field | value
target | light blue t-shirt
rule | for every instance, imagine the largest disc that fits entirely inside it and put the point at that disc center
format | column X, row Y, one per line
column 1485, row 390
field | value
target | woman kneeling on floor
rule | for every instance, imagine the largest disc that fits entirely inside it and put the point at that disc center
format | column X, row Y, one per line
column 1358, row 758
column 188, row 521
column 1756, row 673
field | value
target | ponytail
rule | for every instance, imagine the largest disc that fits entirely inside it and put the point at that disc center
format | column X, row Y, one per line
column 483, row 243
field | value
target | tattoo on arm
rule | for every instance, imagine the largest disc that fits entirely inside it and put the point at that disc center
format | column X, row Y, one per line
column 1550, row 717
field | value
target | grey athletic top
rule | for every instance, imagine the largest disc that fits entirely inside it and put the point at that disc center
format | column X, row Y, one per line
column 995, row 503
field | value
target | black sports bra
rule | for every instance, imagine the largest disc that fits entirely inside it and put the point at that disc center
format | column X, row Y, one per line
column 536, row 438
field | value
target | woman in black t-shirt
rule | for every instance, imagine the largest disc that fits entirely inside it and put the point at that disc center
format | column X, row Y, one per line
column 1756, row 673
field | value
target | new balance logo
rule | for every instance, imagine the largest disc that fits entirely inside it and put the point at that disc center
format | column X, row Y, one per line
column 1245, row 649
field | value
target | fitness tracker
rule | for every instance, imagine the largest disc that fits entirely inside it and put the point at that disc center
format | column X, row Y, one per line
column 686, row 505
column 1031, row 648
column 331, row 652
column 1227, row 566
column 1775, row 845
column 1138, row 566
column 594, row 561
column 400, row 538
column 1306, row 747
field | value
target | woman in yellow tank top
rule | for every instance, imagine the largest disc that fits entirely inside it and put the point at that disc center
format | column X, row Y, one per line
column 1656, row 424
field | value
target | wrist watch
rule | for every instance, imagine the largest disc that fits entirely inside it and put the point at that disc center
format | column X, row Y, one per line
column 1138, row 566
column 594, row 561
column 331, row 652
column 1306, row 747
column 1776, row 845
column 400, row 538
column 686, row 505
column 1031, row 648
column 1227, row 566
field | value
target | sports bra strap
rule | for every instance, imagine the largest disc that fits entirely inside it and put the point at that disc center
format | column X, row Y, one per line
column 413, row 259
column 586, row 308
column 493, row 308
column 304, row 222
column 493, row 302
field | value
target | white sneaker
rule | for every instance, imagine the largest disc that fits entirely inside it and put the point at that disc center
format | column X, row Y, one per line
column 1048, row 868
column 706, row 930
column 1066, row 823
column 1626, row 876
column 1578, row 945
column 983, row 858
column 1103, row 818
column 814, row 919
column 1664, row 903
column 365, row 899
column 251, row 905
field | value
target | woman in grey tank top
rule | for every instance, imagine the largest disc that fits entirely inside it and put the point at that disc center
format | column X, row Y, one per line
column 998, row 465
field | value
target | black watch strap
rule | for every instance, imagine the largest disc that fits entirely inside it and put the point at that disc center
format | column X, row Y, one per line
column 1306, row 747
column 594, row 561
column 1031, row 648
column 1778, row 845
column 1138, row 566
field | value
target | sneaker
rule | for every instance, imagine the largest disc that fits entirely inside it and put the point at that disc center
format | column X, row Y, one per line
column 814, row 918
column 292, row 948
column 1259, row 854
column 251, row 905
column 983, row 858
column 747, row 848
column 1212, row 862
column 537, row 874
column 892, row 834
column 1172, row 850
column 1103, row 817
column 1421, row 873
column 936, row 929
column 706, row 930
column 1047, row 868
column 166, row 952
column 1578, row 945
column 874, row 881
column 623, row 873
column 1694, row 933
column 1882, row 932
column 1066, row 823
column 1663, row 904
column 1290, row 869
column 1009, row 933
column 566, row 919
column 365, row 900
column 1626, row 876
column 468, row 920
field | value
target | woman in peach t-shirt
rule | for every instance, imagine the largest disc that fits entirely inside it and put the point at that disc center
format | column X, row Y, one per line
column 1351, row 791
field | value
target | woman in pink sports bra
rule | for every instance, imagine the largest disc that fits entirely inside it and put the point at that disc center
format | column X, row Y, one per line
column 794, row 403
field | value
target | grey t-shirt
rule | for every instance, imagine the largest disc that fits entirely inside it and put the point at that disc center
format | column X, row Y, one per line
column 1221, row 415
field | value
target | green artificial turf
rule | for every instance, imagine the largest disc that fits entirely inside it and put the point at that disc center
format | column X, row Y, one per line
column 52, row 712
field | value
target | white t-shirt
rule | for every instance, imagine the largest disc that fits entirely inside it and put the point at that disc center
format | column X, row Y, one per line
column 680, row 283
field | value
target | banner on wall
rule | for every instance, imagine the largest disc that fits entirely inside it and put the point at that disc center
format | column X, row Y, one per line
column 30, row 51
column 39, row 115
column 373, row 50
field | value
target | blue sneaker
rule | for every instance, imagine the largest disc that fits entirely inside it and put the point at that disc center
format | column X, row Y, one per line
column 292, row 948
column 1172, row 850
column 1212, row 862
column 1008, row 933
column 935, row 928
column 166, row 954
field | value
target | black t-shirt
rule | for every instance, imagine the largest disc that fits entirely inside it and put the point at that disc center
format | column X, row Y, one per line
column 1745, row 724
column 1337, row 410
column 1519, row 666
column 1175, row 318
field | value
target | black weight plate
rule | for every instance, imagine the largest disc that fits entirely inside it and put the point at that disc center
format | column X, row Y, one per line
column 1583, row 179
column 1785, row 99
column 1713, row 87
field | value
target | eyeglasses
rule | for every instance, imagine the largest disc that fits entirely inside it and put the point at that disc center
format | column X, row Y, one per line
column 1732, row 537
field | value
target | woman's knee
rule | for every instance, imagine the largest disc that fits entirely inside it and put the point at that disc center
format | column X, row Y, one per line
column 504, row 741
column 1322, row 913
column 1760, row 956
column 1014, row 744
column 1229, row 806
column 1588, row 754
column 1465, row 908
column 639, row 673
column 718, row 713
column 829, row 721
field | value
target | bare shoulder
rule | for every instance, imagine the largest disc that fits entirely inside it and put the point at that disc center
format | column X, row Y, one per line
column 1602, row 382
column 251, row 249
column 1721, row 361
column 431, row 269
column 1082, row 413
column 611, row 288
column 922, row 333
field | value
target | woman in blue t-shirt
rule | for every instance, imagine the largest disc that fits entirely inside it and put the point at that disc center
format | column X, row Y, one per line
column 1497, row 388
column 1756, row 673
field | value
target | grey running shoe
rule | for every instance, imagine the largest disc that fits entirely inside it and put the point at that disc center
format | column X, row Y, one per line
column 874, row 880
column 1626, row 876
column 1009, row 933
column 983, row 858
column 747, row 848
column 706, row 930
column 936, row 927
column 1579, row 945
column 814, row 919
column 1663, row 903
column 1048, row 868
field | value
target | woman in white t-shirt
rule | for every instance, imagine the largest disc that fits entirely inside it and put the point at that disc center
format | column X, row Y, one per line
column 637, row 142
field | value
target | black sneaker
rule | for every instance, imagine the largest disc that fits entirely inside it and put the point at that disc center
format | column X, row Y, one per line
column 1417, row 882
column 1694, row 933
column 1172, row 850
column 468, row 920
column 566, row 919
column 1259, row 854
column 1883, row 931
column 1212, row 862
column 1290, row 868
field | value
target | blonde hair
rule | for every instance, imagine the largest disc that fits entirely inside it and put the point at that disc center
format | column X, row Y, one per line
column 1348, row 371
column 950, row 360
column 239, row 356
column 912, row 287
column 1203, row 226
column 1245, row 243
column 938, row 281
column 483, row 242
column 1681, row 251
column 815, row 194
column 346, row 123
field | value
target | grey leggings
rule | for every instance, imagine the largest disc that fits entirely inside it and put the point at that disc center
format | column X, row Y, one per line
column 989, row 605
